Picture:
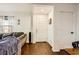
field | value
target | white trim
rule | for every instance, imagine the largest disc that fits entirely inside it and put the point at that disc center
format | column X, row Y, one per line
column 55, row 50
column 52, row 45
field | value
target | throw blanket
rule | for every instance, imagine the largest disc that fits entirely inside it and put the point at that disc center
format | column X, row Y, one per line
column 8, row 46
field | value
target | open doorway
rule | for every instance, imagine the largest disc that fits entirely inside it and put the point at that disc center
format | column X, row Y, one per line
column 43, row 23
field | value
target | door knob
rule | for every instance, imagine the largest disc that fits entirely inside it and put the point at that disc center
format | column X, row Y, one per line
column 72, row 32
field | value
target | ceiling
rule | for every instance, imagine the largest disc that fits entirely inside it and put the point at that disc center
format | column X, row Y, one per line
column 24, row 7
column 42, row 9
column 15, row 7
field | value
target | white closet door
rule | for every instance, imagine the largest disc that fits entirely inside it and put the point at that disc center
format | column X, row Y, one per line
column 66, row 29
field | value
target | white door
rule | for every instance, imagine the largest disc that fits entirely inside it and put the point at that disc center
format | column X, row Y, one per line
column 66, row 29
column 41, row 29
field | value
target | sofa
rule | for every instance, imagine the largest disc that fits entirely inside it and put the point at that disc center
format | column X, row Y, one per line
column 21, row 39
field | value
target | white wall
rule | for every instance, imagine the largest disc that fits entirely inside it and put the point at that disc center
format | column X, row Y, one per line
column 25, row 24
column 51, row 27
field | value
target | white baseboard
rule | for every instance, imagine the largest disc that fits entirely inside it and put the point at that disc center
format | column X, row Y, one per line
column 55, row 50
column 52, row 45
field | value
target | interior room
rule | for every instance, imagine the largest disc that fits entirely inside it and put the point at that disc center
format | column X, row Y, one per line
column 39, row 29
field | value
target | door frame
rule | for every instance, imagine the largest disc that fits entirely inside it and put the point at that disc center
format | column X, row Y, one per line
column 34, row 29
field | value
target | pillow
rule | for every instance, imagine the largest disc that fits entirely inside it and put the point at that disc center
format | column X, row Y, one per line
column 7, row 34
column 17, row 34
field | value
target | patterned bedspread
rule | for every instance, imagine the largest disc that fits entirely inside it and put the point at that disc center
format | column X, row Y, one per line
column 8, row 46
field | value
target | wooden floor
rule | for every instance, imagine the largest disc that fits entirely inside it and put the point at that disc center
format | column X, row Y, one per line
column 40, row 48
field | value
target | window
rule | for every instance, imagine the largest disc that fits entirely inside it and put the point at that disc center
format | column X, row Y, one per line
column 6, row 24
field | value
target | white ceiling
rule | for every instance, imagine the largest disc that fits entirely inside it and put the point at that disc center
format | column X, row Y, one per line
column 42, row 9
column 15, row 7
column 24, row 7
